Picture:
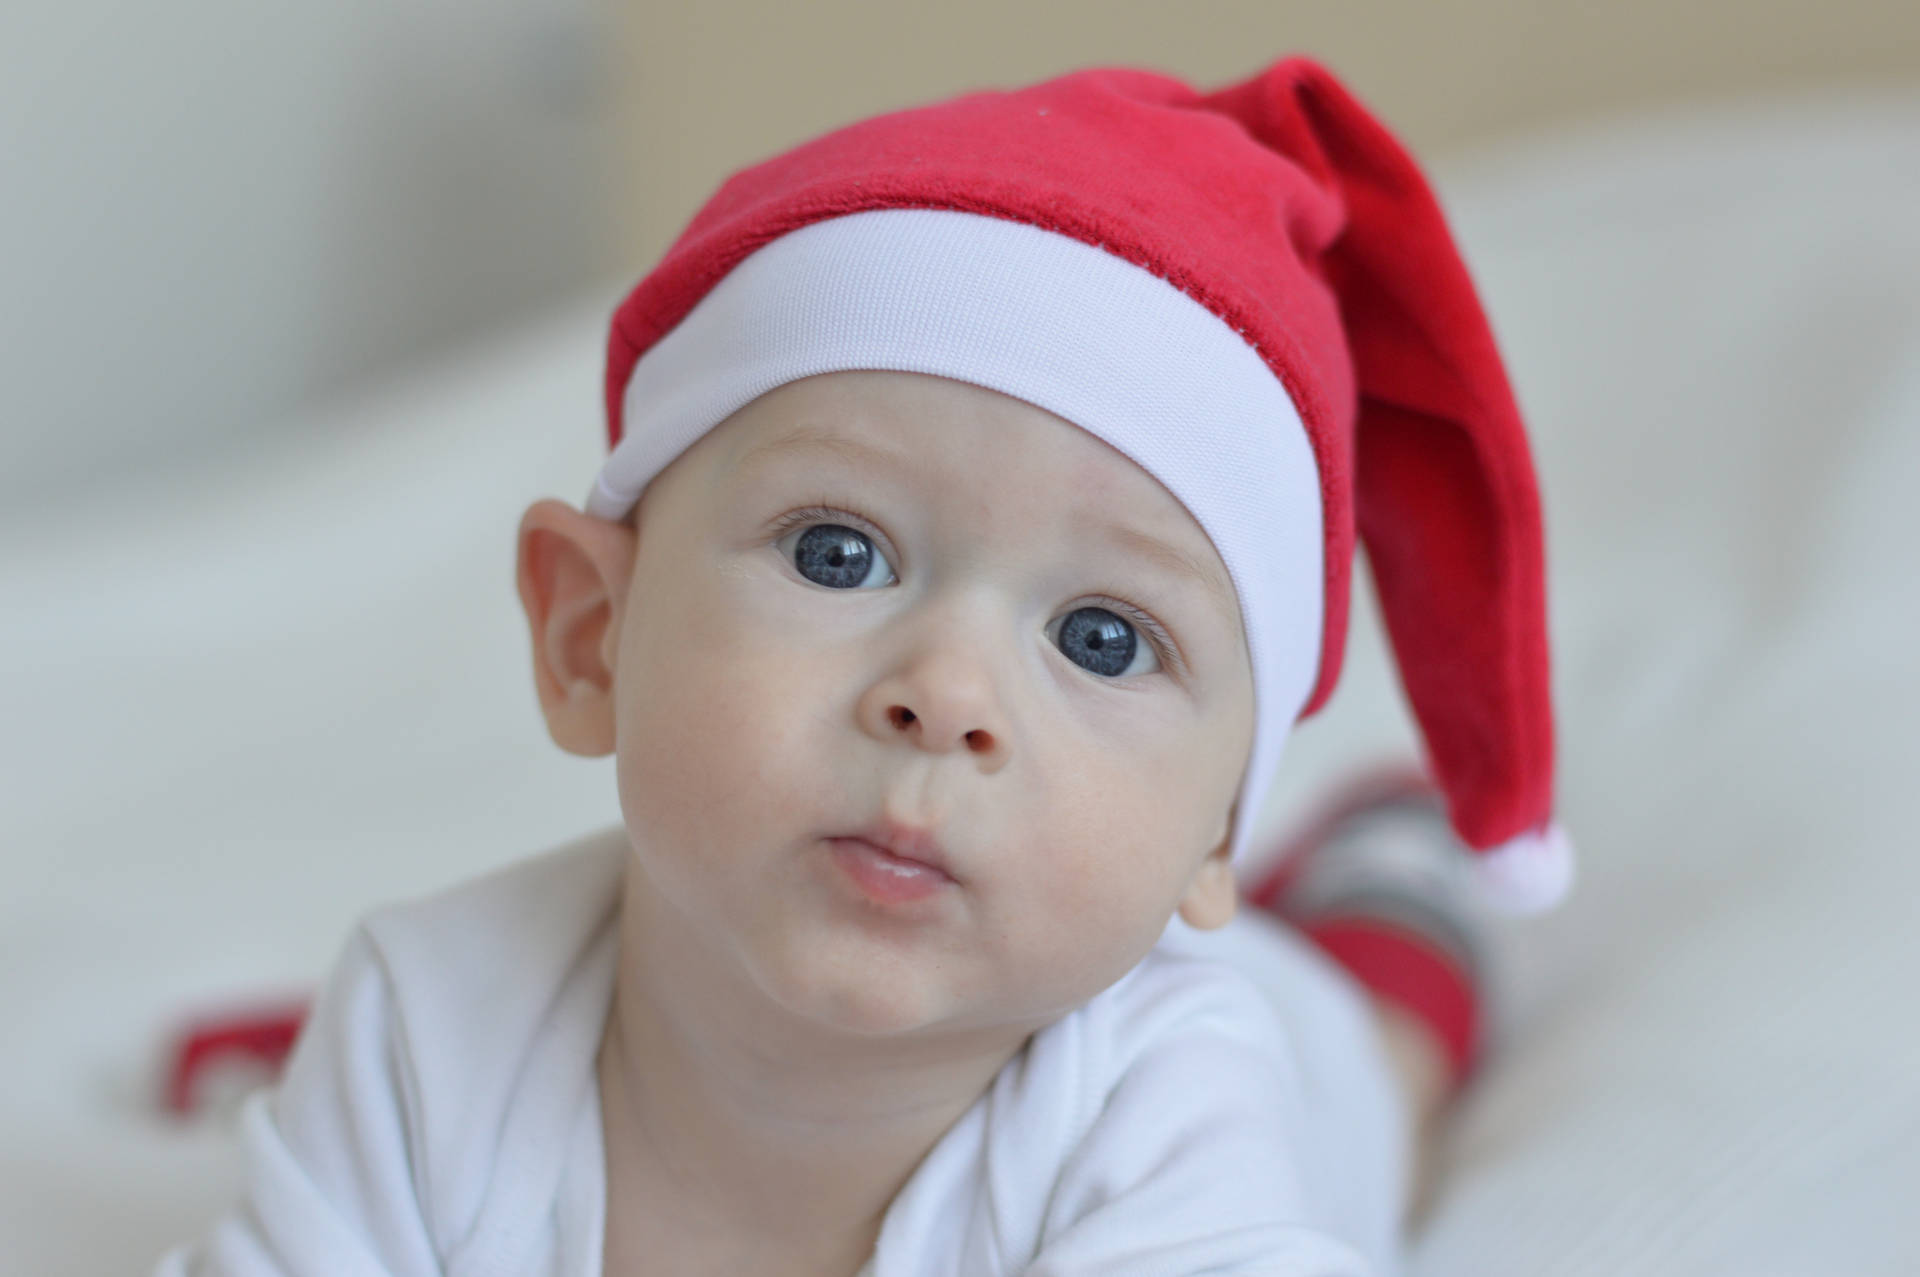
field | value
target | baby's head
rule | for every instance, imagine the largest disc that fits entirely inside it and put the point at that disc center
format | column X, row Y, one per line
column 986, row 474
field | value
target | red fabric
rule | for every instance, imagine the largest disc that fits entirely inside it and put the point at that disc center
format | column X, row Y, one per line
column 1400, row 968
column 265, row 1037
column 1281, row 205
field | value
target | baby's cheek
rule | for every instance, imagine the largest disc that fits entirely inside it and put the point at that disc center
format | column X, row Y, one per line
column 726, row 735
column 1105, row 894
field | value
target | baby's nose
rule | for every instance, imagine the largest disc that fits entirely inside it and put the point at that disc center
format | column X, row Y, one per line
column 940, row 703
column 978, row 739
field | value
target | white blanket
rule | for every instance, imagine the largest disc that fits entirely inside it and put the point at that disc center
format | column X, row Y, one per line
column 247, row 700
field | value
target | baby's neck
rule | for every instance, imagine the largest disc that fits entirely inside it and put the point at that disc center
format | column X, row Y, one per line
column 662, row 1215
column 734, row 1132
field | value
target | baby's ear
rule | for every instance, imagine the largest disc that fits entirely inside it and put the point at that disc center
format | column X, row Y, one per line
column 1213, row 892
column 572, row 571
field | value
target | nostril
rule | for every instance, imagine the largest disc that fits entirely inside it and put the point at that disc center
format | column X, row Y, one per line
column 900, row 715
column 979, row 741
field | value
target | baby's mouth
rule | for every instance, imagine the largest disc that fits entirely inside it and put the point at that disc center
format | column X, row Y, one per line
column 885, row 878
column 901, row 842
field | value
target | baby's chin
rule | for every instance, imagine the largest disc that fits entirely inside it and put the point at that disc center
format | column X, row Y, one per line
column 858, row 992
column 856, row 995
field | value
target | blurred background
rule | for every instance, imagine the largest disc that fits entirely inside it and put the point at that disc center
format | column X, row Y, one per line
column 304, row 303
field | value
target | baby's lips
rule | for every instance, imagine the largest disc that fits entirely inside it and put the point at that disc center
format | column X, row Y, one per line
column 908, row 842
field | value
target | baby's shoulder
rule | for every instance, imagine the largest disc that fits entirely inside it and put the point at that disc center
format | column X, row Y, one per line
column 1173, row 1110
column 1180, row 1012
column 1248, row 1005
column 446, row 1021
column 499, row 917
column 483, row 959
column 1189, row 988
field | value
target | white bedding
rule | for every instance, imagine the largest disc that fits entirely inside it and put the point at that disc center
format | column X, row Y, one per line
column 246, row 701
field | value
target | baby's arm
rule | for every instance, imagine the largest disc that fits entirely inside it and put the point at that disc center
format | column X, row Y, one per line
column 329, row 1187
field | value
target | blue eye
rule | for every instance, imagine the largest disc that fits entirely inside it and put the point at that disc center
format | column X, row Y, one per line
column 1101, row 642
column 839, row 558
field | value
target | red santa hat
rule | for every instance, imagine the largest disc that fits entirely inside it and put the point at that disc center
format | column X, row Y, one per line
column 1252, row 293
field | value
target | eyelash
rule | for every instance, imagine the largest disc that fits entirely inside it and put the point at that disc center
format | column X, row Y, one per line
column 831, row 514
column 1167, row 649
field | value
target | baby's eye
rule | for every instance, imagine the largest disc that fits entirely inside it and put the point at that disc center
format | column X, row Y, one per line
column 1103, row 643
column 837, row 557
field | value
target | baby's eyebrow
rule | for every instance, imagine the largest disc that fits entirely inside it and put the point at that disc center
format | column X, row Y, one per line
column 1173, row 559
column 815, row 439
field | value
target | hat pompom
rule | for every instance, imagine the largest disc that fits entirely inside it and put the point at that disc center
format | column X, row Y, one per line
column 1526, row 875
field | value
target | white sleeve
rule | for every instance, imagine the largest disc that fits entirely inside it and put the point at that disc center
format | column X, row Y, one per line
column 329, row 1186
column 1192, row 1165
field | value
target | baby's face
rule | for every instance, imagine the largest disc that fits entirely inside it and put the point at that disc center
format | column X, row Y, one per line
column 884, row 596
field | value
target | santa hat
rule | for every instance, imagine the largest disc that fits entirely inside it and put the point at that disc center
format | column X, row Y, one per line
column 1252, row 293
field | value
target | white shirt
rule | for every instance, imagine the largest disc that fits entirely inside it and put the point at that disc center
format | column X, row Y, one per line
column 1222, row 1108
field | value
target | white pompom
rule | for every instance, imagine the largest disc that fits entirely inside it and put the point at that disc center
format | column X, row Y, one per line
column 1526, row 875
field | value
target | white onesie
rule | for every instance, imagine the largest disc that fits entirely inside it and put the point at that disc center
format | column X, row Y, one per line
column 1222, row 1108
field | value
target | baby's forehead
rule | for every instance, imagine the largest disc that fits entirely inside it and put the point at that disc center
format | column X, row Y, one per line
column 948, row 429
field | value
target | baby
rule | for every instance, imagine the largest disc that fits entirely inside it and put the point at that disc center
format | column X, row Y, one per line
column 978, row 520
